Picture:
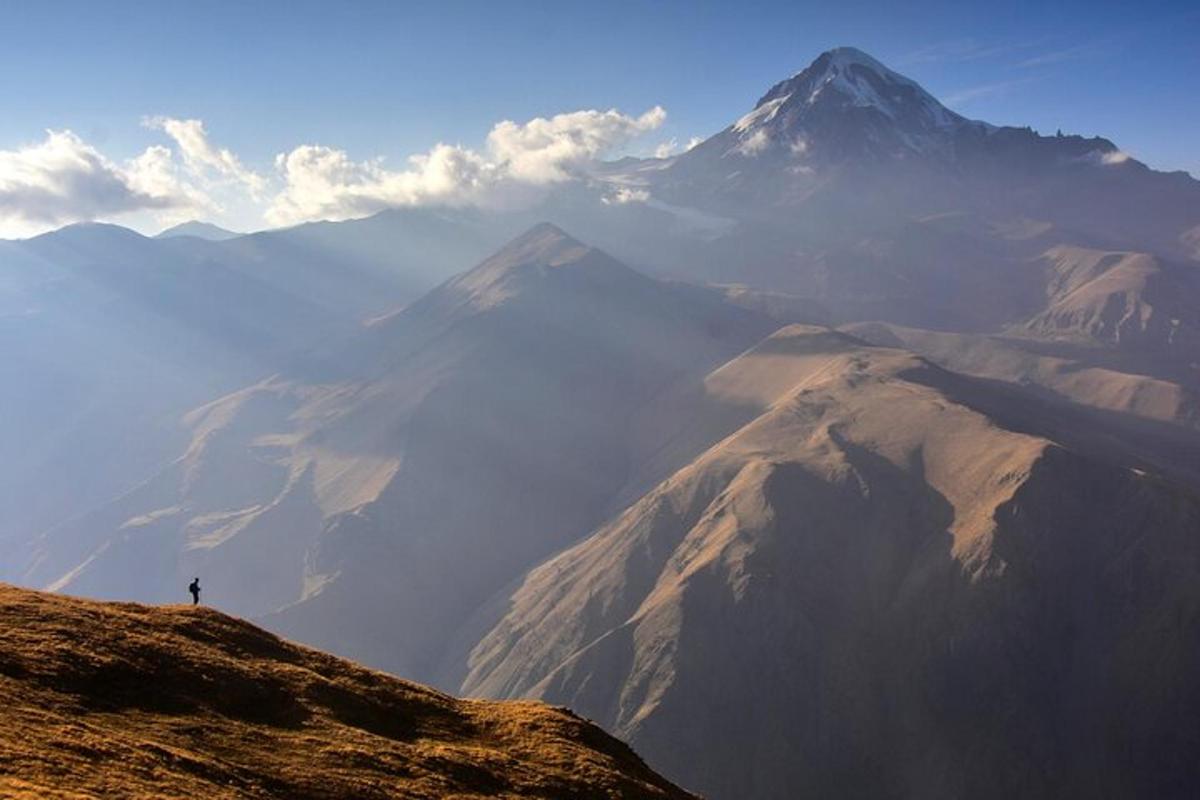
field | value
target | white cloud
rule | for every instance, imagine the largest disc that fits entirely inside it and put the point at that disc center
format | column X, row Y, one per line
column 153, row 172
column 518, row 161
column 626, row 194
column 754, row 144
column 63, row 179
column 156, row 173
column 204, row 161
column 544, row 150
column 1107, row 158
column 671, row 147
column 324, row 183
column 667, row 149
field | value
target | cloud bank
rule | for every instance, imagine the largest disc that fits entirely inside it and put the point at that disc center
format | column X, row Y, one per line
column 518, row 162
column 64, row 179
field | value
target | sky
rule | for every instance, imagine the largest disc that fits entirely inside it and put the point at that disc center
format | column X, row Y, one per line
column 261, row 114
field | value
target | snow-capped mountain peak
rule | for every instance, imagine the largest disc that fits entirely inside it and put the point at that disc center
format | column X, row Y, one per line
column 868, row 83
column 843, row 88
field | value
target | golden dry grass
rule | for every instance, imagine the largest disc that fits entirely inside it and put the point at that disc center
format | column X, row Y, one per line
column 122, row 700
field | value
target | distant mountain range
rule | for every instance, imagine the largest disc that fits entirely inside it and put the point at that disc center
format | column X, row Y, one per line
column 854, row 452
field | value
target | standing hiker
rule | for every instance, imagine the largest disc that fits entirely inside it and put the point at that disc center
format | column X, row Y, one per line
column 194, row 588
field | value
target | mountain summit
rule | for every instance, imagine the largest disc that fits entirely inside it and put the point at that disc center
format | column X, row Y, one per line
column 846, row 100
column 845, row 103
column 847, row 153
column 526, row 262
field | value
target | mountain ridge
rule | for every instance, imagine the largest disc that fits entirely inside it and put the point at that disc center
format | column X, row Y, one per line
column 130, row 700
column 871, row 545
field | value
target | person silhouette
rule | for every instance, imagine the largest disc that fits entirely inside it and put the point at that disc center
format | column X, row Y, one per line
column 194, row 588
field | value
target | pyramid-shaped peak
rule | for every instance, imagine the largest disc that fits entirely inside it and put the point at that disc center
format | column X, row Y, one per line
column 852, row 55
column 524, row 264
column 546, row 234
column 545, row 229
column 848, row 77
column 843, row 58
column 544, row 244
column 844, row 104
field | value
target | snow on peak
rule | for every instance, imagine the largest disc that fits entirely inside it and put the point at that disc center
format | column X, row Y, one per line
column 837, row 80
column 852, row 55
column 866, row 83
column 763, row 112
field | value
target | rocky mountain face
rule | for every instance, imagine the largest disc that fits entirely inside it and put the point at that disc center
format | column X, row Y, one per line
column 1133, row 301
column 874, row 588
column 101, row 699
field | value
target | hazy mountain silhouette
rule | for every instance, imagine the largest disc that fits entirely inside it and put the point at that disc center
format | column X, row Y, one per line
column 109, row 337
column 200, row 230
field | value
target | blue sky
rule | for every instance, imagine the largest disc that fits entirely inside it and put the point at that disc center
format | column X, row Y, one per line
column 389, row 80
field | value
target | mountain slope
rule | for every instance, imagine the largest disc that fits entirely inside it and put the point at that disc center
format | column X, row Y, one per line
column 109, row 337
column 403, row 478
column 1129, row 300
column 133, row 701
column 507, row 392
column 1120, row 383
column 872, row 588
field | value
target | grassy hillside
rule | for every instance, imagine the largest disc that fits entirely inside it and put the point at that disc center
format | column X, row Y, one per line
column 123, row 700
